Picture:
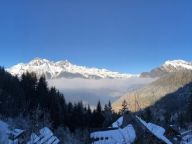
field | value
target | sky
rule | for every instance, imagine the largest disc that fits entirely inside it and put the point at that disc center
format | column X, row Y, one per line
column 126, row 35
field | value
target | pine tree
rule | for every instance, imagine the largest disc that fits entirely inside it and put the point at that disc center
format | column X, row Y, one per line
column 108, row 114
column 88, row 116
column 29, row 84
column 42, row 92
column 124, row 107
column 98, row 116
column 54, row 107
column 109, row 106
column 99, row 108
column 11, row 94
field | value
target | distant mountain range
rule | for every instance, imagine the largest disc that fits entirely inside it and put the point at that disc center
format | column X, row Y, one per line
column 63, row 69
column 167, row 78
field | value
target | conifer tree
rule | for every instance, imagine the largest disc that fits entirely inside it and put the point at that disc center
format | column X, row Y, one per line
column 108, row 114
column 124, row 106
column 98, row 116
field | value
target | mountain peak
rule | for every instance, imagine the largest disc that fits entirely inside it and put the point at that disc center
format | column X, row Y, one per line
column 64, row 62
column 63, row 69
column 168, row 67
column 173, row 62
column 38, row 61
column 178, row 65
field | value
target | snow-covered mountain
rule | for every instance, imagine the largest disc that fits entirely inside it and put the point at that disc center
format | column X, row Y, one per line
column 169, row 67
column 176, row 65
column 63, row 69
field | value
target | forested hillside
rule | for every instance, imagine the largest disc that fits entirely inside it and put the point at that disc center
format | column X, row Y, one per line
column 153, row 92
column 173, row 108
column 30, row 100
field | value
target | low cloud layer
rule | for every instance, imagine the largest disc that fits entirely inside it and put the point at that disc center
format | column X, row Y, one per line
column 91, row 91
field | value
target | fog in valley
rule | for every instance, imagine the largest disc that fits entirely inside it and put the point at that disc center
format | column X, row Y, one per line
column 92, row 90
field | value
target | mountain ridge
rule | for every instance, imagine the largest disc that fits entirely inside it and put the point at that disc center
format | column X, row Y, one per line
column 63, row 69
column 170, row 66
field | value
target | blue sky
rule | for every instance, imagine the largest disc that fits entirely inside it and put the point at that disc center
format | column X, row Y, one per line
column 126, row 35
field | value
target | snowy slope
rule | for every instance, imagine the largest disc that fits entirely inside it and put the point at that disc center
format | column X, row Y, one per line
column 63, row 69
column 176, row 65
column 169, row 66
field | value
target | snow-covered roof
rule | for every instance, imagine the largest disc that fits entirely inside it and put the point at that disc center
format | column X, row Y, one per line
column 45, row 131
column 5, row 131
column 119, row 136
column 16, row 132
column 156, row 130
column 46, row 137
column 34, row 138
column 118, row 123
